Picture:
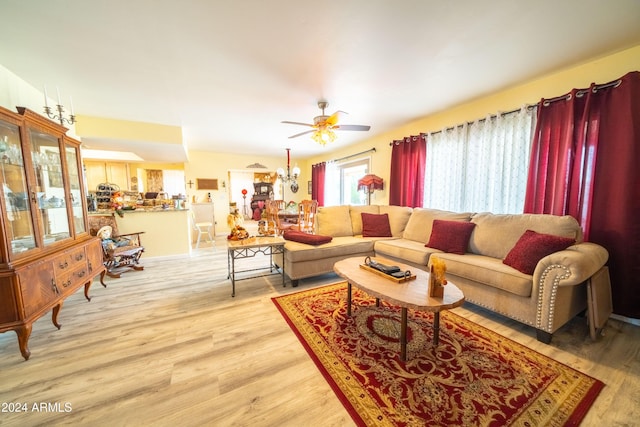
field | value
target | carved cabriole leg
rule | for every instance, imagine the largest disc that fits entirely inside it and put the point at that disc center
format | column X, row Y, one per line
column 54, row 315
column 24, row 332
column 104, row 272
column 86, row 290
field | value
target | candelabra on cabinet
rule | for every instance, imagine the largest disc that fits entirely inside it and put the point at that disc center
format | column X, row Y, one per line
column 60, row 109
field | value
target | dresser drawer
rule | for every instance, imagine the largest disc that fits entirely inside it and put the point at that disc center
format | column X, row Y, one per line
column 69, row 281
column 69, row 260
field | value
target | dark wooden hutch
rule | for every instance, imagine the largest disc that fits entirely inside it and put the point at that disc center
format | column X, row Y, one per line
column 262, row 191
column 46, row 252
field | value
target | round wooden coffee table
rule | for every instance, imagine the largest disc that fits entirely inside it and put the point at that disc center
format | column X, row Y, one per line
column 412, row 294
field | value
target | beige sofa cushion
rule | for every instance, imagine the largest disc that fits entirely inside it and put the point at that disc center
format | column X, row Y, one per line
column 356, row 216
column 421, row 221
column 334, row 221
column 398, row 218
column 488, row 271
column 405, row 250
column 496, row 234
column 338, row 247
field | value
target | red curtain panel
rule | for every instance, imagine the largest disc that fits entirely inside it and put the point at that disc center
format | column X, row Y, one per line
column 586, row 163
column 406, row 182
column 317, row 182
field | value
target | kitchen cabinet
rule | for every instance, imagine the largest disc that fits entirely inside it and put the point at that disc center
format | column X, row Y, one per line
column 46, row 252
column 106, row 172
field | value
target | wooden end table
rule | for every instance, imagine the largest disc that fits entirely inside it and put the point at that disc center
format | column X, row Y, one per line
column 413, row 294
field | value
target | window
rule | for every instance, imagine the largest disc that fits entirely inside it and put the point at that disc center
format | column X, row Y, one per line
column 341, row 183
column 173, row 182
column 480, row 166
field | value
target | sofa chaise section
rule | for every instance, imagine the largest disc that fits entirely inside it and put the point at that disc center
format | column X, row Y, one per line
column 546, row 299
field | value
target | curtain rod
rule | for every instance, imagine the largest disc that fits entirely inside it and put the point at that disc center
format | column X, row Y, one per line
column 582, row 92
column 354, row 155
column 529, row 107
column 546, row 102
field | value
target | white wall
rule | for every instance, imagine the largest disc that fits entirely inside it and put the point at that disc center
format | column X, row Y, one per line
column 15, row 92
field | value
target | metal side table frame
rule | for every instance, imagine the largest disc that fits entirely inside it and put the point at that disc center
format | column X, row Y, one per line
column 249, row 248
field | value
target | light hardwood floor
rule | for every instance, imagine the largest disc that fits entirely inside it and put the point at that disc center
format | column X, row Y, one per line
column 169, row 346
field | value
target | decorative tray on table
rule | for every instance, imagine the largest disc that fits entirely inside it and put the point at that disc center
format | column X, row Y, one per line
column 390, row 272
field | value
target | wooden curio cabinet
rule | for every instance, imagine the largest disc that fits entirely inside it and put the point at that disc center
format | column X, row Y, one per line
column 46, row 252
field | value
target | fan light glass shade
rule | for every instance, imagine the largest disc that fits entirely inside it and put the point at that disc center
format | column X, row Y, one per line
column 322, row 136
column 296, row 171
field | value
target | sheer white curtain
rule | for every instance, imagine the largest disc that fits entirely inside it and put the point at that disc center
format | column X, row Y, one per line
column 480, row 166
column 445, row 170
column 332, row 184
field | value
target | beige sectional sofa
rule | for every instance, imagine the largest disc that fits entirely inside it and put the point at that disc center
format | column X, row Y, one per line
column 546, row 299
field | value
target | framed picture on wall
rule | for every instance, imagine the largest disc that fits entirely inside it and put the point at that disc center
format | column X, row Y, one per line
column 309, row 187
column 206, row 184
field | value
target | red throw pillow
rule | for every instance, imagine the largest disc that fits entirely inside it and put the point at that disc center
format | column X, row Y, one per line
column 310, row 239
column 450, row 236
column 532, row 247
column 376, row 225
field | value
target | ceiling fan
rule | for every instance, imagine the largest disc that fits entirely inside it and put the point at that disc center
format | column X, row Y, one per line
column 324, row 126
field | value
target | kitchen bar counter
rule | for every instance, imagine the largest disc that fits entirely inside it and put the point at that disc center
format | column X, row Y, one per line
column 167, row 232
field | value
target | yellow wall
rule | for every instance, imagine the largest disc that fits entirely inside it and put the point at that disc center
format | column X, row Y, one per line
column 208, row 165
column 98, row 127
column 600, row 70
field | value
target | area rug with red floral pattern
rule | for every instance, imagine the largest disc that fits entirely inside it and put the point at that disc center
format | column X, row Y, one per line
column 472, row 377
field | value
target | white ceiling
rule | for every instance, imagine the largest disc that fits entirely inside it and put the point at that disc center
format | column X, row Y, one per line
column 228, row 72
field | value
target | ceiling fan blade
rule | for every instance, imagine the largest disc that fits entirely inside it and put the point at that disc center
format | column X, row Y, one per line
column 297, row 123
column 301, row 133
column 332, row 120
column 352, row 127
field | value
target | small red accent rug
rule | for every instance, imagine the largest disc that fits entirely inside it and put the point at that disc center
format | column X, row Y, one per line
column 473, row 377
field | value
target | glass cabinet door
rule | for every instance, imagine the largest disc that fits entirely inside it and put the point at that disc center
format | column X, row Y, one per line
column 75, row 189
column 49, row 187
column 14, row 191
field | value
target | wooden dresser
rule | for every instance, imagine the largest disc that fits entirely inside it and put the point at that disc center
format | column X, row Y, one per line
column 46, row 252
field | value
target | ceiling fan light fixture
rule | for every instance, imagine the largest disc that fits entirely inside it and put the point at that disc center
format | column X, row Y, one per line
column 322, row 136
column 323, row 127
